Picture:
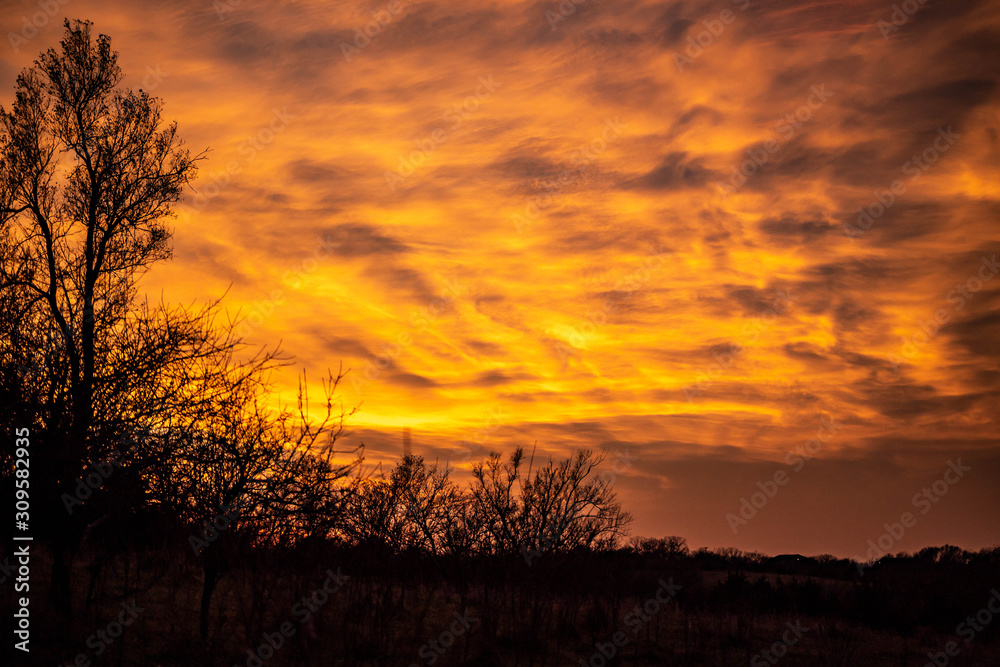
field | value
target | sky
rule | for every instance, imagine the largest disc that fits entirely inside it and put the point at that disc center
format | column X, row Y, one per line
column 746, row 249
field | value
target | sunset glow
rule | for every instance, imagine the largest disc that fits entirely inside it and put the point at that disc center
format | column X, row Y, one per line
column 697, row 235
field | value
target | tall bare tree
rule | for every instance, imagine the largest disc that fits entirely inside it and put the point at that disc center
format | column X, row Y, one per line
column 88, row 174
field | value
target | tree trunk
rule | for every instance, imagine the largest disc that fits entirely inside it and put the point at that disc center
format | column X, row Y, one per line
column 212, row 576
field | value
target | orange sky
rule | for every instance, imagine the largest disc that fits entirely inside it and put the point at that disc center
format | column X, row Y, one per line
column 516, row 223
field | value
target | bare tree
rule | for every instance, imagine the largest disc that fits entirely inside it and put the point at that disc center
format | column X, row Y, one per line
column 561, row 506
column 88, row 173
column 417, row 507
column 566, row 506
column 432, row 505
column 375, row 516
column 496, row 502
column 238, row 472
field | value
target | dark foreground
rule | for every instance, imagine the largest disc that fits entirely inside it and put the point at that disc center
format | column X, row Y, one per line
column 327, row 605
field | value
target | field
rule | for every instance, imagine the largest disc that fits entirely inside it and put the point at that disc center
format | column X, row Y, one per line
column 329, row 605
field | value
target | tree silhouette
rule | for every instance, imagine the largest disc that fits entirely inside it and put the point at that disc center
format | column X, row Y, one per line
column 240, row 474
column 562, row 506
column 88, row 173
